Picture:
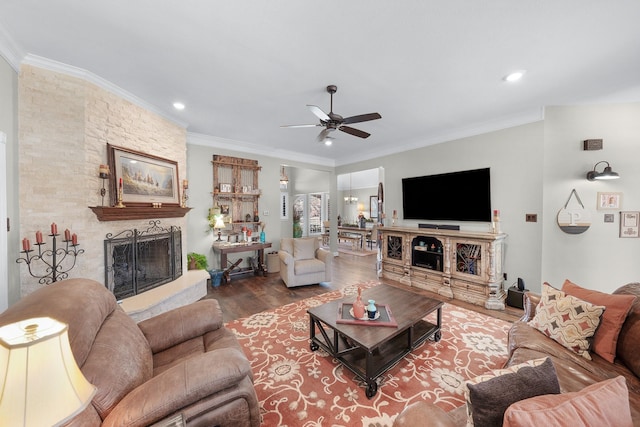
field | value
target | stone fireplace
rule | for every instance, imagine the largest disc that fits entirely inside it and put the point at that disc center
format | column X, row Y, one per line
column 136, row 261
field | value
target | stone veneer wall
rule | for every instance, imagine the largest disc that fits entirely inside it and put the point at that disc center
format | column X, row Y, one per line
column 65, row 124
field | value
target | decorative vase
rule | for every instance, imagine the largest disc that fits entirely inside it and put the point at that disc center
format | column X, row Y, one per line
column 371, row 309
column 358, row 306
column 263, row 237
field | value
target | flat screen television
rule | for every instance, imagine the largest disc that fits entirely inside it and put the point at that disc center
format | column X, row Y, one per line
column 455, row 196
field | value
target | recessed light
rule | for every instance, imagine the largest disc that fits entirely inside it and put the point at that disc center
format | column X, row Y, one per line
column 178, row 106
column 515, row 76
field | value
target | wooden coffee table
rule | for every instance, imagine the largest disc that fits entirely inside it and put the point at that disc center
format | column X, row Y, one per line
column 370, row 351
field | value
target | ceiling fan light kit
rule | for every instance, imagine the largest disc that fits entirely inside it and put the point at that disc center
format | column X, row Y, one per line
column 333, row 121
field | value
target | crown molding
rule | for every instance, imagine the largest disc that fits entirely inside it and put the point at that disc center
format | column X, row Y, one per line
column 244, row 147
column 80, row 73
column 9, row 50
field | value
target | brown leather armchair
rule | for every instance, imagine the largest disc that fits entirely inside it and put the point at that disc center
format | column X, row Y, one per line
column 180, row 362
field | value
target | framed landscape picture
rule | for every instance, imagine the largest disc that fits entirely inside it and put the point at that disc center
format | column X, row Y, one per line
column 144, row 179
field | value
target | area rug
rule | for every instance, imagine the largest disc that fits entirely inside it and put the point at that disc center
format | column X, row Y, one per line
column 299, row 387
column 347, row 250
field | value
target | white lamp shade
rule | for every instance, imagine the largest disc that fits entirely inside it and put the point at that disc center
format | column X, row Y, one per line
column 40, row 382
column 219, row 223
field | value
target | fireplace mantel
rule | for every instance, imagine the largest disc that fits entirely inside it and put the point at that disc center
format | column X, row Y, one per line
column 106, row 213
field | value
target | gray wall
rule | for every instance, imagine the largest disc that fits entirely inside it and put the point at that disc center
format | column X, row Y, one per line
column 200, row 175
column 10, row 291
column 515, row 157
column 598, row 258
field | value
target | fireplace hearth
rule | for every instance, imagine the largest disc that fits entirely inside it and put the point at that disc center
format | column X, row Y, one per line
column 137, row 261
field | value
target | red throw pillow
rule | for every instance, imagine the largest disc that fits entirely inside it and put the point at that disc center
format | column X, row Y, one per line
column 618, row 306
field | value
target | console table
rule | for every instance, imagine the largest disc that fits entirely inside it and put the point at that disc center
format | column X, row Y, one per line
column 348, row 232
column 229, row 248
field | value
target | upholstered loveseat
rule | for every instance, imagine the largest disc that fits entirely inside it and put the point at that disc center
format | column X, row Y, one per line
column 575, row 373
column 304, row 262
column 181, row 362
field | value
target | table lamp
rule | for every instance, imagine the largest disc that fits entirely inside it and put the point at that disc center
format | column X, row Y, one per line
column 219, row 225
column 42, row 384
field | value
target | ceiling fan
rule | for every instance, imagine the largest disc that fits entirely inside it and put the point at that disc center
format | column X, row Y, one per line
column 333, row 121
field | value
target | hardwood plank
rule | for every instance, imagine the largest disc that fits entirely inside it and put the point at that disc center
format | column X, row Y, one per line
column 248, row 295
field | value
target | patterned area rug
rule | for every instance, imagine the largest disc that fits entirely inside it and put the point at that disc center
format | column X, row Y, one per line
column 298, row 387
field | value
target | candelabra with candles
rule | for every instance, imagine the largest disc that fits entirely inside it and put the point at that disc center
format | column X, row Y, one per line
column 53, row 260
column 185, row 197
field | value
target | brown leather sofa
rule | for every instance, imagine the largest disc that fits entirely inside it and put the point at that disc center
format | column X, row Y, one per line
column 181, row 362
column 574, row 371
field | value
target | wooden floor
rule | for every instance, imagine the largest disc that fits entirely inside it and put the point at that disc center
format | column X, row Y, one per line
column 250, row 294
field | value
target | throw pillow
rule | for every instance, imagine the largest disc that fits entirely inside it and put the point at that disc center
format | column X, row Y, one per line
column 304, row 249
column 606, row 338
column 488, row 396
column 602, row 404
column 567, row 320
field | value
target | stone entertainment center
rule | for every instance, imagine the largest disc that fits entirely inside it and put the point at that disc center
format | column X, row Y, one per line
column 456, row 264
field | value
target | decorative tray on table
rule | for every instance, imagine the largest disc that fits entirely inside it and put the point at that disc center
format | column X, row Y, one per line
column 384, row 316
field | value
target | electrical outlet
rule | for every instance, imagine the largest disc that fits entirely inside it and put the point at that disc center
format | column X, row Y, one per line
column 531, row 217
column 265, row 213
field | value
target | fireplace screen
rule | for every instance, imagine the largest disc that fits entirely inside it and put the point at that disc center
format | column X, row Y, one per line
column 136, row 261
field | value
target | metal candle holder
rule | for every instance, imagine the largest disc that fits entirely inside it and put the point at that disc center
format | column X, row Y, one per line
column 53, row 259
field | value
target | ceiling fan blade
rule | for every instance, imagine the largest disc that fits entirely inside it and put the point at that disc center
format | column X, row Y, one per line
column 354, row 131
column 300, row 126
column 361, row 118
column 323, row 135
column 319, row 113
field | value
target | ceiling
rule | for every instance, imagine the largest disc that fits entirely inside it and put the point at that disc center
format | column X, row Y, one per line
column 433, row 69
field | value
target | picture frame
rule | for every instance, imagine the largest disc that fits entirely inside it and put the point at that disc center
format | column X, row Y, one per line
column 609, row 200
column 225, row 188
column 146, row 179
column 629, row 224
column 373, row 207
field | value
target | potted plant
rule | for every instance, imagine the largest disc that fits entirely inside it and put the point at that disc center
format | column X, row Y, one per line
column 197, row 261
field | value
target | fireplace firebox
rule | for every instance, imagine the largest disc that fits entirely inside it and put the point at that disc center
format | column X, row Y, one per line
column 136, row 261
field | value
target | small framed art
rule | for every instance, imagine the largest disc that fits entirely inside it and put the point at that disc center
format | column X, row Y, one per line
column 609, row 201
column 629, row 224
column 373, row 206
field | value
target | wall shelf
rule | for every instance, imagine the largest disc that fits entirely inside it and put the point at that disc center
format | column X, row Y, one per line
column 106, row 213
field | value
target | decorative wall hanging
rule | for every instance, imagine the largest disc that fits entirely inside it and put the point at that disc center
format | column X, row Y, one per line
column 574, row 219
column 629, row 224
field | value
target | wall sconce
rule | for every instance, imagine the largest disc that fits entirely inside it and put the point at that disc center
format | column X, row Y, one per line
column 607, row 173
column 43, row 385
